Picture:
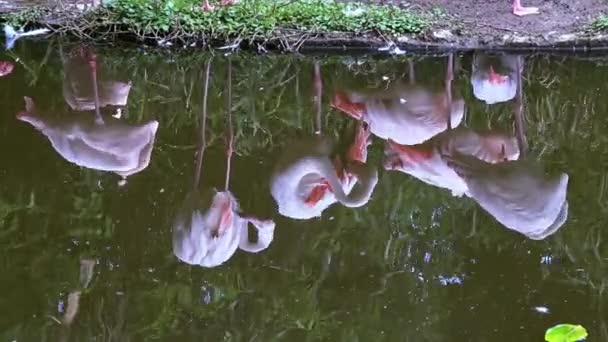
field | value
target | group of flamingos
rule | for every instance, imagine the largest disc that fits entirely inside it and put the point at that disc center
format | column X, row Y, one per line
column 421, row 127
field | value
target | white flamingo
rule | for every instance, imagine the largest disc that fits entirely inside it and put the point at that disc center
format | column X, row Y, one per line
column 305, row 181
column 408, row 114
column 425, row 162
column 113, row 145
column 519, row 194
column 494, row 78
column 209, row 228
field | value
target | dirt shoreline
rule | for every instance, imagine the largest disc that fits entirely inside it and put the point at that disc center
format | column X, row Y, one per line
column 546, row 32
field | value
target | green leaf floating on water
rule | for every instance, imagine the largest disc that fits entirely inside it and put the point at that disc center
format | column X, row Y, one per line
column 565, row 333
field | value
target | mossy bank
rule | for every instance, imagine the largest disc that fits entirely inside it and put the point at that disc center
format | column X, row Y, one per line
column 263, row 25
column 259, row 24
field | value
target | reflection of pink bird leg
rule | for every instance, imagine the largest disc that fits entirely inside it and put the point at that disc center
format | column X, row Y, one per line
column 342, row 102
column 358, row 151
column 519, row 10
column 449, row 77
column 92, row 59
column 229, row 2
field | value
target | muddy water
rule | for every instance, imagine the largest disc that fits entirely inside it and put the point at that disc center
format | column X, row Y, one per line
column 89, row 211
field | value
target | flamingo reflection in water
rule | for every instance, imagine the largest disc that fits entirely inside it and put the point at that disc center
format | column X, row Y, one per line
column 424, row 160
column 91, row 141
column 494, row 78
column 209, row 227
column 491, row 169
column 306, row 181
column 519, row 194
column 406, row 113
column 486, row 167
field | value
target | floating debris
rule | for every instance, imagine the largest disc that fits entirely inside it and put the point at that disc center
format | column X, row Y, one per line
column 392, row 48
column 454, row 280
column 541, row 309
column 546, row 259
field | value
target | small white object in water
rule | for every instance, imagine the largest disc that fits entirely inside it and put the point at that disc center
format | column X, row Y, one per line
column 164, row 43
column 546, row 259
column 402, row 100
column 118, row 114
column 427, row 257
column 392, row 48
column 454, row 280
column 541, row 309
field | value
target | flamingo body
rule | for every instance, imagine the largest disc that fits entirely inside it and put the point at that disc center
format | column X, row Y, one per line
column 114, row 146
column 408, row 115
column 425, row 161
column 307, row 165
column 208, row 230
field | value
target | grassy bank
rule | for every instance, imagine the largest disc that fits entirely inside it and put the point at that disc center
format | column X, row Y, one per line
column 251, row 21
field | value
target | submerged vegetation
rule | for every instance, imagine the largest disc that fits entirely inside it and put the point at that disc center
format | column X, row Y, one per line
column 253, row 21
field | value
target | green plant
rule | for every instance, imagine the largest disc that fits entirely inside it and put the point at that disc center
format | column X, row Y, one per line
column 251, row 20
column 24, row 17
column 566, row 333
column 601, row 23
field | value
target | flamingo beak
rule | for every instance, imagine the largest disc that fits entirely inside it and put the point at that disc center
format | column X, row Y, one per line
column 496, row 78
column 224, row 204
column 343, row 103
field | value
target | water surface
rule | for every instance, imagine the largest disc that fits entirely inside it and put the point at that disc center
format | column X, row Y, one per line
column 415, row 263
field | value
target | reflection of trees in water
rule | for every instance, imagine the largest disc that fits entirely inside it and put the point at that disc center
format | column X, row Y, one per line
column 348, row 269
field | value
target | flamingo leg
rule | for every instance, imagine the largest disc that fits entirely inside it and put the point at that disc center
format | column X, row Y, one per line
column 318, row 89
column 518, row 113
column 92, row 59
column 230, row 134
column 520, row 11
column 448, row 88
column 203, row 125
column 411, row 72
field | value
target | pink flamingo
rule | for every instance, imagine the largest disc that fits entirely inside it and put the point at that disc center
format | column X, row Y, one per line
column 209, row 227
column 306, row 181
column 6, row 68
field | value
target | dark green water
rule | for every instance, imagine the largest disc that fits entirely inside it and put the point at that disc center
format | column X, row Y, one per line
column 413, row 264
